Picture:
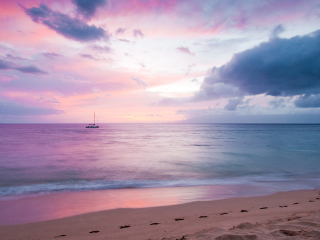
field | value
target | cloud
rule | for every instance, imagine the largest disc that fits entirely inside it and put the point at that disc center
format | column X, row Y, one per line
column 13, row 109
column 189, row 68
column 277, row 103
column 30, row 69
column 124, row 40
column 71, row 28
column 276, row 31
column 209, row 91
column 51, row 55
column 5, row 65
column 185, row 50
column 212, row 115
column 88, row 8
column 120, row 31
column 89, row 56
column 140, row 82
column 233, row 103
column 100, row 48
column 308, row 101
column 171, row 102
column 279, row 67
column 137, row 33
column 10, row 56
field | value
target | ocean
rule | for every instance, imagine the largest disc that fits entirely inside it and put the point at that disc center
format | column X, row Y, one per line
column 159, row 164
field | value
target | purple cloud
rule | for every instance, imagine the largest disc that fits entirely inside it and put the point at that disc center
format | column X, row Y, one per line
column 5, row 65
column 124, row 40
column 88, row 8
column 137, row 33
column 233, row 103
column 71, row 28
column 100, row 48
column 51, row 55
column 120, row 31
column 185, row 50
column 30, row 69
column 13, row 109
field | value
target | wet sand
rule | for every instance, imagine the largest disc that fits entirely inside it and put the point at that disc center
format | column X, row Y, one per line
column 284, row 215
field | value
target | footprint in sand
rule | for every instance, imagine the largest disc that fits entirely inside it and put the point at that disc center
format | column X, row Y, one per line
column 60, row 236
column 237, row 237
column 264, row 208
column 244, row 211
column 94, row 231
column 223, row 213
column 283, row 206
column 178, row 219
column 203, row 216
column 125, row 226
column 155, row 223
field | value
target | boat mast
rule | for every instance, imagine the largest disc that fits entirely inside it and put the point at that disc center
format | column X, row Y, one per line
column 94, row 119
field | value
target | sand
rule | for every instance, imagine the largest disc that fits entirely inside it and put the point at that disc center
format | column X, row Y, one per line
column 284, row 215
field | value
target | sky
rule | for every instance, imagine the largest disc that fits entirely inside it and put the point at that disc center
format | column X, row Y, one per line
column 157, row 61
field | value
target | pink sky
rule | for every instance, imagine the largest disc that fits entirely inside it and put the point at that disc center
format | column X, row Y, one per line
column 152, row 61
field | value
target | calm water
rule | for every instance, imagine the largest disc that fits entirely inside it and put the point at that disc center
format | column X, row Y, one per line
column 49, row 158
column 41, row 159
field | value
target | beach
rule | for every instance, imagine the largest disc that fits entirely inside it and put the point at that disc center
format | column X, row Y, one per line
column 283, row 215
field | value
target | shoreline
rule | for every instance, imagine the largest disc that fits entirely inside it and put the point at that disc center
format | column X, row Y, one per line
column 283, row 214
column 36, row 208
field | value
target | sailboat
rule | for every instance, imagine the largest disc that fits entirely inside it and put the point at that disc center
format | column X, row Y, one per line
column 94, row 123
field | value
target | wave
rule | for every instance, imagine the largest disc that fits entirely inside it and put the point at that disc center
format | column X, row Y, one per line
column 85, row 185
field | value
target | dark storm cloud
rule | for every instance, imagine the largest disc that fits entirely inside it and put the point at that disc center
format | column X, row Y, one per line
column 279, row 67
column 71, row 28
column 13, row 109
column 5, row 65
column 308, row 101
column 88, row 8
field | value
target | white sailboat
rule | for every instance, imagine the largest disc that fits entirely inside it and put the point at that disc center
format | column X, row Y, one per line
column 94, row 123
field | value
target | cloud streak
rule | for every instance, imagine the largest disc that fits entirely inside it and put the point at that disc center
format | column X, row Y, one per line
column 66, row 26
column 13, row 109
column 5, row 65
column 140, row 82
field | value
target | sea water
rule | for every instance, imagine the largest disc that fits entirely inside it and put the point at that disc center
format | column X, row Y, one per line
column 49, row 159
